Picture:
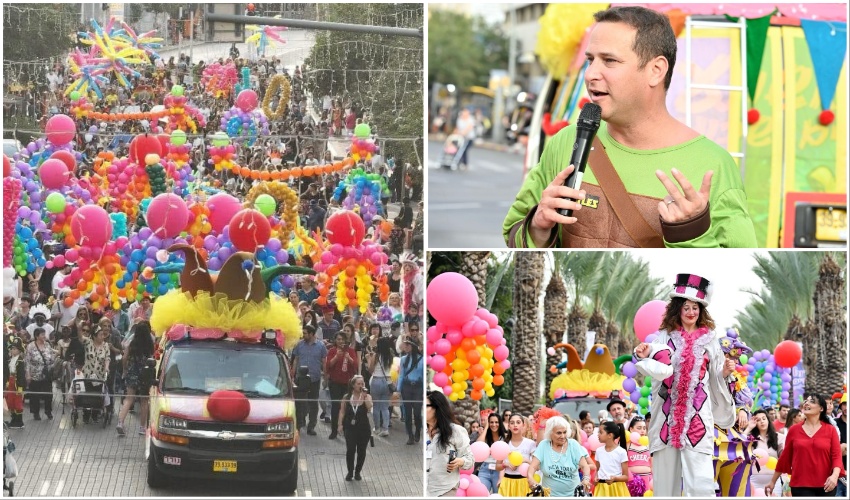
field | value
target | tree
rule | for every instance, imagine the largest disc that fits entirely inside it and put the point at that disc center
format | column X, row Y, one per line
column 528, row 282
column 463, row 50
column 830, row 307
column 380, row 74
column 38, row 31
column 554, row 323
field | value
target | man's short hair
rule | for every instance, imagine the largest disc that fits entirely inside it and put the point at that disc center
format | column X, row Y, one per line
column 654, row 37
column 308, row 329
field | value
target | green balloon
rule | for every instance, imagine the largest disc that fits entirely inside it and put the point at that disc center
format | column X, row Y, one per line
column 743, row 359
column 75, row 95
column 177, row 90
column 178, row 137
column 644, row 391
column 265, row 204
column 55, row 203
column 643, row 402
column 362, row 131
column 220, row 139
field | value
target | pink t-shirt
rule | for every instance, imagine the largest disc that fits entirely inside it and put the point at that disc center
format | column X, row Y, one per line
column 639, row 460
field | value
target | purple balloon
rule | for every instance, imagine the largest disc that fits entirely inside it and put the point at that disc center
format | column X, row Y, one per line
column 149, row 262
column 281, row 256
column 274, row 245
column 145, row 233
column 224, row 253
column 629, row 385
column 634, row 396
column 630, row 370
column 214, row 263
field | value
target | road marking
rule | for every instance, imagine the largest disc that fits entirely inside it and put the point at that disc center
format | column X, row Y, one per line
column 58, row 491
column 63, row 422
column 44, row 487
column 308, row 493
column 55, row 455
column 302, row 464
column 454, row 206
column 69, row 456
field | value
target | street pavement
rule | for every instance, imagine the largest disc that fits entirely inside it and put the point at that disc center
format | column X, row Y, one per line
column 90, row 461
column 466, row 208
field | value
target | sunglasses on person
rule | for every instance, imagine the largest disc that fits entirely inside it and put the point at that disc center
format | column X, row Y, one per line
column 638, row 419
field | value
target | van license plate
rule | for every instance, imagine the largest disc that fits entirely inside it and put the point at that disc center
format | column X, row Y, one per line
column 171, row 460
column 831, row 225
column 224, row 465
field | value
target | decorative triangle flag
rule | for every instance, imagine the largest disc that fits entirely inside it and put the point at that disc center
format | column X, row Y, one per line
column 756, row 41
column 827, row 41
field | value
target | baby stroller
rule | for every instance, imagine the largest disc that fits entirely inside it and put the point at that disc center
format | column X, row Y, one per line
column 93, row 395
column 10, row 465
column 453, row 150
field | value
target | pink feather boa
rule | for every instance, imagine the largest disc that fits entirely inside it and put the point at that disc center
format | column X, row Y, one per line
column 683, row 384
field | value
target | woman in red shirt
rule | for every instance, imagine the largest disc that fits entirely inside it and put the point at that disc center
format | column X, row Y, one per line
column 341, row 364
column 812, row 454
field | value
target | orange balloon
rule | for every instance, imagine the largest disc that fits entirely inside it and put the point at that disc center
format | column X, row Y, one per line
column 475, row 394
column 473, row 356
column 478, row 383
column 467, row 345
column 498, row 369
column 265, row 175
column 295, row 171
column 68, row 301
column 245, row 171
column 481, row 339
column 476, row 370
column 498, row 379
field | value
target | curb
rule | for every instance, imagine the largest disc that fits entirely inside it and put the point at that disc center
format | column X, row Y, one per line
column 492, row 146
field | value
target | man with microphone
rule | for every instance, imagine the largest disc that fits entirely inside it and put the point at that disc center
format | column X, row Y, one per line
column 626, row 198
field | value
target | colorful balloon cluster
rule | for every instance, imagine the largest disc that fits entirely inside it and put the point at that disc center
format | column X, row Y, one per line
column 362, row 147
column 222, row 153
column 355, row 265
column 363, row 193
column 244, row 121
column 263, row 35
column 182, row 116
column 639, row 395
column 769, row 382
column 467, row 343
column 218, row 79
column 12, row 195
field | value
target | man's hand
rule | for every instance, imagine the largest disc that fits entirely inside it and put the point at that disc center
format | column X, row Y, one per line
column 553, row 198
column 642, row 350
column 742, row 420
column 686, row 204
column 728, row 367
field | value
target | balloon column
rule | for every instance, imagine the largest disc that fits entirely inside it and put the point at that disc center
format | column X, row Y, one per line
column 355, row 264
column 182, row 116
column 362, row 147
column 219, row 79
column 12, row 195
column 363, row 193
column 467, row 343
column 769, row 382
column 245, row 121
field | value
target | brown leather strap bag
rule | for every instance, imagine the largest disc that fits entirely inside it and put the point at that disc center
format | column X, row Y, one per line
column 620, row 219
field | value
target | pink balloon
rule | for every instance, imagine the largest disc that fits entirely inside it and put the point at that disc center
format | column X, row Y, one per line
column 222, row 208
column 480, row 450
column 648, row 318
column 635, row 437
column 443, row 347
column 463, row 484
column 460, row 493
column 60, row 130
column 523, row 469
column 480, row 327
column 494, row 337
column 440, row 378
column 501, row 353
column 583, row 435
column 593, row 442
column 454, row 336
column 432, row 334
column 451, row 298
column 448, row 390
column 167, row 215
column 438, row 364
column 53, row 174
column 246, row 100
column 505, row 364
column 90, row 226
column 430, row 348
column 466, row 472
column 499, row 450
column 559, row 393
column 477, row 490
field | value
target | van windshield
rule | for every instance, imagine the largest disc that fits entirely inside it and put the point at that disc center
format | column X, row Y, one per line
column 254, row 372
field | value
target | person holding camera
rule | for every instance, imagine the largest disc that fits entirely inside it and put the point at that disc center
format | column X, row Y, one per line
column 447, row 450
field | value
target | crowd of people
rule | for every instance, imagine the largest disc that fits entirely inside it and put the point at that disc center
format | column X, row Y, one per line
column 347, row 362
column 673, row 448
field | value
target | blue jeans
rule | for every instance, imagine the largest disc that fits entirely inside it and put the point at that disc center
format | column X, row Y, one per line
column 841, row 489
column 380, row 402
column 489, row 478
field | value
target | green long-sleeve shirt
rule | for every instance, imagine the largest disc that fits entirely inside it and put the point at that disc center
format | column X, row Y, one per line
column 731, row 225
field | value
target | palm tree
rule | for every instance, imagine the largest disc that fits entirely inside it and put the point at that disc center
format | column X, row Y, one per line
column 788, row 280
column 473, row 265
column 633, row 287
column 582, row 273
column 528, row 281
column 554, row 321
column 830, row 306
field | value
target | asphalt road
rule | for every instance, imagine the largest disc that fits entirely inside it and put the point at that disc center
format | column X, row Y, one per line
column 466, row 208
column 55, row 459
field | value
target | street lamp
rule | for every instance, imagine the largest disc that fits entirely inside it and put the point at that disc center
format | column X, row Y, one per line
column 453, row 104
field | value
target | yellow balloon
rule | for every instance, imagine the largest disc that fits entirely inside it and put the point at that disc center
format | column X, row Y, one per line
column 490, row 392
column 458, row 377
column 648, row 493
column 488, row 353
column 453, row 397
column 515, row 458
column 537, row 477
column 644, row 441
column 460, row 354
column 771, row 463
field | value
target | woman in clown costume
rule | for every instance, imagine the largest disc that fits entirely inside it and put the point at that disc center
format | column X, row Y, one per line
column 693, row 394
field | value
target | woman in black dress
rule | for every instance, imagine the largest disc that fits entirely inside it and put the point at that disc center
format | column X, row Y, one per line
column 354, row 424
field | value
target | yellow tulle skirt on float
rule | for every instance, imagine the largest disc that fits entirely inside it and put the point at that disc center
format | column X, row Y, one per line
column 514, row 487
column 618, row 489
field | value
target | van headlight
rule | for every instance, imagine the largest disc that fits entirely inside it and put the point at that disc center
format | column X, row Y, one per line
column 166, row 422
column 284, row 427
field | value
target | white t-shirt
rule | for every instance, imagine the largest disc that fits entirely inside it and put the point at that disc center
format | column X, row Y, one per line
column 526, row 449
column 610, row 462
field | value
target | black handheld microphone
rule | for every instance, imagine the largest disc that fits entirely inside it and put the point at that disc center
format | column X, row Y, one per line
column 588, row 124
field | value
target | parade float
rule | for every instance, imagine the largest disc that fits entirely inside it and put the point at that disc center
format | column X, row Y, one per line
column 729, row 83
